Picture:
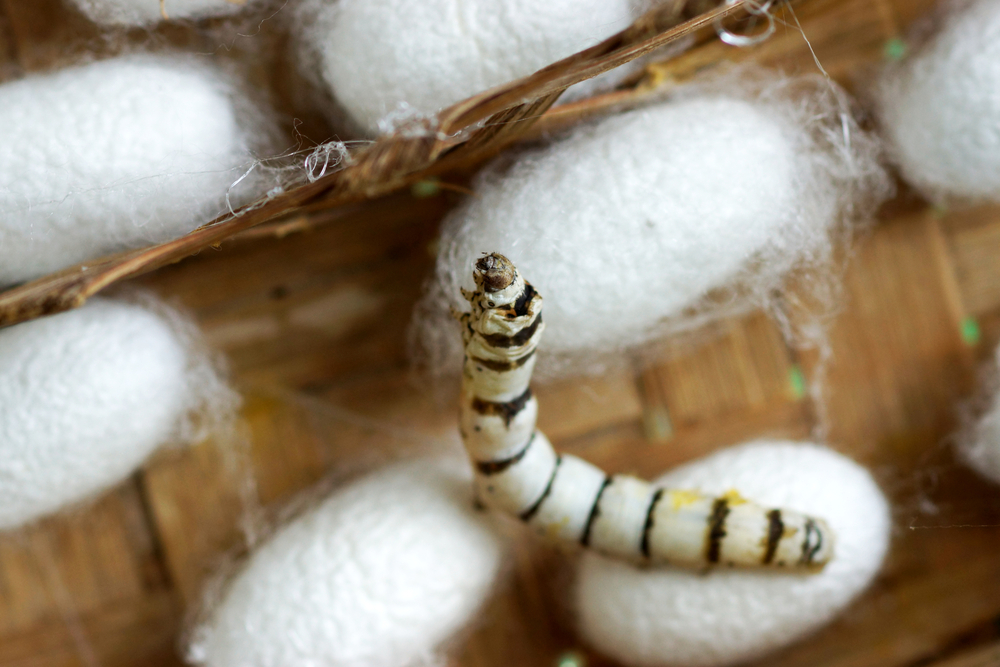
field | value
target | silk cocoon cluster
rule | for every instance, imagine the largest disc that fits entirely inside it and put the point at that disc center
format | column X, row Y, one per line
column 87, row 395
column 387, row 60
column 148, row 12
column 378, row 575
column 940, row 111
column 117, row 154
column 663, row 217
column 652, row 617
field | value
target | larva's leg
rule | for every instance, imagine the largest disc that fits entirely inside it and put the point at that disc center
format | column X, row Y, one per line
column 568, row 499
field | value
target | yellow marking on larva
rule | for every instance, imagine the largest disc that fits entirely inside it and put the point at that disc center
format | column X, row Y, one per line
column 553, row 530
column 733, row 498
column 679, row 499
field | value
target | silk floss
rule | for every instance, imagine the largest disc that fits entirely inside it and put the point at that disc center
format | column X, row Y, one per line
column 380, row 574
column 87, row 395
column 117, row 154
column 716, row 194
column 385, row 61
column 939, row 110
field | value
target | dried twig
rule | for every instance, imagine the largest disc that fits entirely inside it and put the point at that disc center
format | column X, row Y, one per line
column 463, row 135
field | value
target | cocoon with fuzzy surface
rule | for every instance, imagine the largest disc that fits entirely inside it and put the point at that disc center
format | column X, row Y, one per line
column 377, row 575
column 397, row 58
column 113, row 155
column 653, row 617
column 980, row 444
column 147, row 12
column 85, row 397
column 627, row 224
column 940, row 110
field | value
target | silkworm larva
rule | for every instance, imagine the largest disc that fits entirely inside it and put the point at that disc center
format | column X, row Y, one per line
column 566, row 498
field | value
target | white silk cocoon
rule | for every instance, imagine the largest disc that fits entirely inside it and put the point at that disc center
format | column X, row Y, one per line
column 627, row 225
column 147, row 12
column 386, row 60
column 113, row 155
column 651, row 617
column 979, row 444
column 378, row 575
column 87, row 395
column 940, row 108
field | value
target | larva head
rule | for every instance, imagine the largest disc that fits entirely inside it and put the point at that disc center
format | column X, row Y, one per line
column 494, row 272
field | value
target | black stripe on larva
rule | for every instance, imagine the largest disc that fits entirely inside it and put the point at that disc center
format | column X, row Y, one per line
column 775, row 529
column 649, row 522
column 521, row 304
column 507, row 410
column 810, row 550
column 518, row 339
column 716, row 529
column 502, row 366
column 595, row 511
column 498, row 466
column 529, row 513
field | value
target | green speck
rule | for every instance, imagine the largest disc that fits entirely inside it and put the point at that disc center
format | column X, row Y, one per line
column 970, row 331
column 571, row 659
column 425, row 188
column 797, row 382
column 656, row 421
column 939, row 210
column 894, row 49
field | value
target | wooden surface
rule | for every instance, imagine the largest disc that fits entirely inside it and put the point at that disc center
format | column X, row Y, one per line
column 314, row 327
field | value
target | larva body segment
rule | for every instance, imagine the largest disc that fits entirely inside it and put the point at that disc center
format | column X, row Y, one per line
column 518, row 484
column 567, row 499
column 498, row 436
column 619, row 517
column 565, row 513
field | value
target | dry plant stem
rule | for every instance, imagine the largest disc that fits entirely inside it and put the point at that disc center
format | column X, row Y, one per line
column 567, row 499
column 463, row 134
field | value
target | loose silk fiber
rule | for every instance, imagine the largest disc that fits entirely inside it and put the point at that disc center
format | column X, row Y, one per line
column 117, row 154
column 657, row 617
column 940, row 109
column 385, row 60
column 378, row 575
column 87, row 395
column 632, row 226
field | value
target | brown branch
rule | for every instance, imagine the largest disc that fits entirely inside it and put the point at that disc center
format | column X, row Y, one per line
column 463, row 134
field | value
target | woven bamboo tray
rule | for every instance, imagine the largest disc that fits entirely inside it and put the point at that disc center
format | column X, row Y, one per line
column 313, row 321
